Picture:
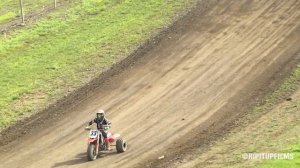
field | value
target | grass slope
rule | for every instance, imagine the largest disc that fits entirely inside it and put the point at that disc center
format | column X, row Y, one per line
column 292, row 147
column 293, row 163
column 9, row 9
column 46, row 60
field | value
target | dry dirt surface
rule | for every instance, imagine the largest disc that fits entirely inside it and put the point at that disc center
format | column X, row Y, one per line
column 274, row 131
column 204, row 61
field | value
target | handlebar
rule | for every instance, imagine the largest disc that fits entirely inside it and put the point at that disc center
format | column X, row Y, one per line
column 104, row 127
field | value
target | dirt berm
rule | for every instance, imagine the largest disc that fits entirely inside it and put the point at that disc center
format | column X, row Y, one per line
column 182, row 89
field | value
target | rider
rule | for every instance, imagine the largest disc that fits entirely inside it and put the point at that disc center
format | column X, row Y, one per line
column 101, row 122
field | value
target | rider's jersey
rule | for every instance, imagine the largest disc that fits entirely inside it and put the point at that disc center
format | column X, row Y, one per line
column 99, row 123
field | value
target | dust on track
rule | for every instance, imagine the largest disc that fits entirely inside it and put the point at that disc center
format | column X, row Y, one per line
column 185, row 78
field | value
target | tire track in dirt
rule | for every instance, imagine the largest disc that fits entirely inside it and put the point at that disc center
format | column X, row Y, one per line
column 178, row 85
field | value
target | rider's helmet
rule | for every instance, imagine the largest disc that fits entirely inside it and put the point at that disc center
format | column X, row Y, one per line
column 100, row 114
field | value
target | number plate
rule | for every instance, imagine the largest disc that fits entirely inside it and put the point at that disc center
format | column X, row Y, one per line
column 93, row 134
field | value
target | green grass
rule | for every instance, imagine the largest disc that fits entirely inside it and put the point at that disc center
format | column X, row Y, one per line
column 292, row 163
column 9, row 9
column 39, row 63
column 7, row 16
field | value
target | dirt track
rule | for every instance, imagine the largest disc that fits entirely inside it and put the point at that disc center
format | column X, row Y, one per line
column 207, row 59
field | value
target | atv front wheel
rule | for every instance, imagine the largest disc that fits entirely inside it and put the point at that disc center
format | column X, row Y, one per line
column 91, row 152
column 121, row 145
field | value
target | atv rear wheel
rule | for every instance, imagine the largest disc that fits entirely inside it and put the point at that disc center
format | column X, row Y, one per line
column 91, row 152
column 121, row 145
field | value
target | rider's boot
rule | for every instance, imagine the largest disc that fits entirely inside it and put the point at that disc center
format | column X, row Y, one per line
column 107, row 143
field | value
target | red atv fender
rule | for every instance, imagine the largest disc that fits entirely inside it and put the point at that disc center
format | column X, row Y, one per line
column 92, row 140
column 112, row 137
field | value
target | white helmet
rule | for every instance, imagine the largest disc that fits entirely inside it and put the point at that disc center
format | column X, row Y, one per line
column 100, row 114
column 100, row 111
